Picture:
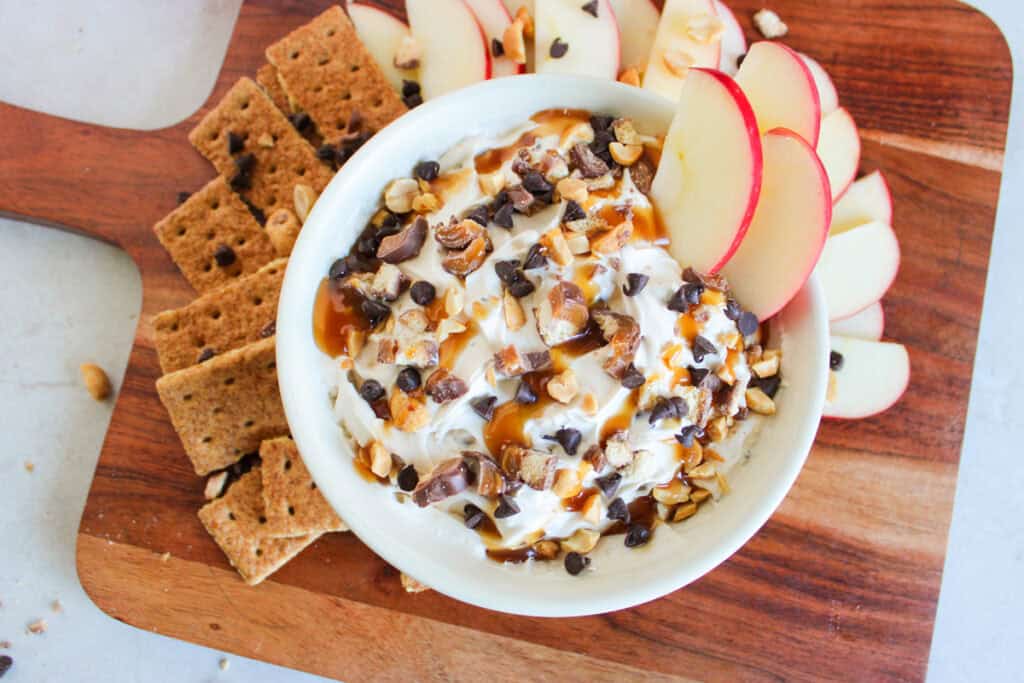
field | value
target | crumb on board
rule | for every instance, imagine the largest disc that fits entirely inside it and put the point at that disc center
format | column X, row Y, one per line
column 57, row 606
column 30, row 466
column 165, row 558
column 770, row 24
column 225, row 663
column 37, row 627
column 96, row 381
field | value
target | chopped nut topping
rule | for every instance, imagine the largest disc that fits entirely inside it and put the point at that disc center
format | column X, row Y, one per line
column 454, row 300
column 546, row 550
column 96, row 381
column 578, row 132
column 387, row 351
column 677, row 62
column 578, row 244
column 704, row 28
column 535, row 468
column 380, row 459
column 464, row 262
column 717, row 429
column 699, row 495
column 673, row 493
column 458, row 234
column 387, row 283
column 414, row 320
column 593, row 509
column 760, row 402
column 408, row 414
column 705, row 470
column 563, row 387
column 626, row 155
column 630, row 76
column 514, row 43
column 405, row 244
column 589, row 404
column 684, row 512
column 770, row 24
column 492, row 183
column 562, row 314
column 523, row 17
column 215, row 485
column 303, row 196
column 426, row 203
column 612, row 241
column 625, row 132
column 399, row 194
column 567, row 483
column 283, row 228
column 617, row 452
column 581, row 541
column 572, row 188
column 408, row 54
column 766, row 367
column 448, row 327
column 515, row 317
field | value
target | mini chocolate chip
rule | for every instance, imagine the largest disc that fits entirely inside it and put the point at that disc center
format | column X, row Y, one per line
column 635, row 283
column 409, row 379
column 427, row 170
column 599, row 146
column 245, row 163
column 536, row 184
column 338, row 270
column 697, row 375
column 367, row 246
column 739, row 60
column 205, row 355
column 576, row 563
column 664, row 409
column 609, row 483
column 269, row 330
column 484, row 406
column 617, row 509
column 410, row 88
column 408, row 477
column 687, row 435
column 732, row 310
column 573, row 212
column 637, row 535
column 747, row 324
column 508, row 271
column 769, row 385
column 632, row 378
column 224, row 255
column 702, row 347
column 422, row 292
column 5, row 664
column 507, row 507
column 692, row 293
column 525, row 394
column 503, row 216
column 235, row 143
column 497, row 49
column 375, row 311
column 412, row 101
column 567, row 438
column 600, row 122
column 183, row 197
column 520, row 287
column 478, row 214
column 678, row 301
column 835, row 360
column 390, row 220
column 326, row 152
column 535, row 257
column 558, row 48
column 300, row 121
column 473, row 515
column 371, row 391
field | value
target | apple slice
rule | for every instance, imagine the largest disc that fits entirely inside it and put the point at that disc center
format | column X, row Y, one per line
column 857, row 268
column 638, row 24
column 868, row 324
column 591, row 43
column 381, row 33
column 868, row 199
column 839, row 149
column 494, row 18
column 827, row 93
column 781, row 90
column 788, row 231
column 689, row 34
column 734, row 43
column 455, row 53
column 872, row 377
column 709, row 178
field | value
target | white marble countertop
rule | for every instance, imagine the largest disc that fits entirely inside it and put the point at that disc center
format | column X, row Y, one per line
column 66, row 299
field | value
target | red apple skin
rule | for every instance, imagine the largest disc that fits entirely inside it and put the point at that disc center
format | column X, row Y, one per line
column 814, row 118
column 489, row 69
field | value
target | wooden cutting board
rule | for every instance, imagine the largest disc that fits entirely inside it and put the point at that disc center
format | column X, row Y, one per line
column 841, row 583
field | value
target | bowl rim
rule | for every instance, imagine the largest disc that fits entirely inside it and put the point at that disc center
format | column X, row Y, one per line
column 294, row 336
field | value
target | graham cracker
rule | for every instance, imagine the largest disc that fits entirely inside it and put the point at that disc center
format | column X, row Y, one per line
column 214, row 218
column 227, row 318
column 222, row 409
column 238, row 525
column 327, row 71
column 266, row 76
column 294, row 505
column 281, row 158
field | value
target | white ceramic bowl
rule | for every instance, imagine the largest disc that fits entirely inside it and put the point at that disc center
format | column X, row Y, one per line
column 439, row 551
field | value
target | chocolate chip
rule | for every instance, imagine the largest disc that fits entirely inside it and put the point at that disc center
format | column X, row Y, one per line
column 637, row 535
column 635, row 283
column 573, row 212
column 568, row 438
column 422, row 292
column 609, row 483
column 697, row 375
column 835, row 360
column 326, row 153
column 507, row 507
column 235, row 143
column 375, row 311
column 632, row 378
column 739, row 60
column 599, row 146
column 769, row 385
column 576, row 563
column 687, row 435
column 410, row 88
column 224, row 255
column 600, row 122
column 427, row 170
column 535, row 183
column 409, row 379
column 497, row 49
column 503, row 217
column 747, row 324
column 412, row 101
column 5, row 664
column 183, row 197
column 484, row 406
column 300, row 121
column 338, row 270
column 478, row 214
column 205, row 355
column 535, row 257
column 473, row 515
column 678, row 302
column 702, row 347
column 525, row 394
column 617, row 509
column 558, row 48
column 666, row 409
column 408, row 477
column 508, row 271
column 520, row 287
column 732, row 310
column 269, row 330
column 359, row 264
column 371, row 391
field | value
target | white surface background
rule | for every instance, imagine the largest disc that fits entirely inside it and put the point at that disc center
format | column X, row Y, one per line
column 65, row 299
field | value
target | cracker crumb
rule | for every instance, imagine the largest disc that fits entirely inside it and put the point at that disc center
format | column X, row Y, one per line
column 215, row 485
column 56, row 606
column 770, row 24
column 96, row 381
column 37, row 627
column 30, row 466
column 225, row 664
column 165, row 557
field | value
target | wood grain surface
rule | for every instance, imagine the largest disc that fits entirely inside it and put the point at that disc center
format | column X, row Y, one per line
column 841, row 583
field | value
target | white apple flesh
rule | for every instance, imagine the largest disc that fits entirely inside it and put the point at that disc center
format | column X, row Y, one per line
column 494, row 19
column 827, row 93
column 454, row 50
column 868, row 199
column 857, row 268
column 709, row 177
column 638, row 24
column 679, row 41
column 788, row 231
column 868, row 324
column 874, row 375
column 781, row 90
column 839, row 149
column 734, row 43
column 381, row 33
column 592, row 42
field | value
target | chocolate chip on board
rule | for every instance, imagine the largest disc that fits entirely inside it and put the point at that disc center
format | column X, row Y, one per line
column 410, row 88
column 183, row 196
column 576, row 563
column 205, row 355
